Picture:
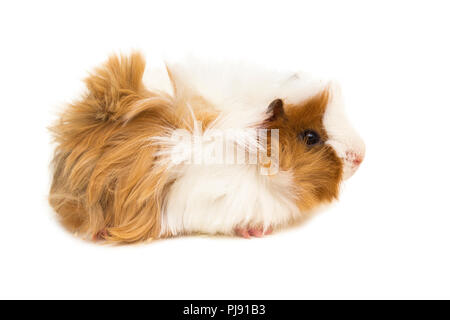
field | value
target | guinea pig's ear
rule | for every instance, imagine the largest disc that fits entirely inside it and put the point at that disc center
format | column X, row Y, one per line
column 275, row 110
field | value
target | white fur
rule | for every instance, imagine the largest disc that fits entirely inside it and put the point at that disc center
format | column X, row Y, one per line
column 341, row 135
column 219, row 198
column 216, row 199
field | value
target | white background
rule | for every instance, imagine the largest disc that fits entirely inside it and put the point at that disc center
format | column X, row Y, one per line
column 387, row 237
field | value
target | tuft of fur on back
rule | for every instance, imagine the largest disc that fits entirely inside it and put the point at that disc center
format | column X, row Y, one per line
column 107, row 182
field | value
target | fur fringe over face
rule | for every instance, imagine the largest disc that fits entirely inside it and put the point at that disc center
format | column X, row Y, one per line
column 114, row 177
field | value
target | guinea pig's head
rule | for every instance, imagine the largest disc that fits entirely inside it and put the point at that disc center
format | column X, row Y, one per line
column 317, row 145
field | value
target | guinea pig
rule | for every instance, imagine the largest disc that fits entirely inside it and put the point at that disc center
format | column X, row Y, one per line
column 227, row 149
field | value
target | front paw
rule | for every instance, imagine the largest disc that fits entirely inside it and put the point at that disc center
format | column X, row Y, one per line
column 248, row 232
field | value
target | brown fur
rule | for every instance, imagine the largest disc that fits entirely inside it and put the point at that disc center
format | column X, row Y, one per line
column 317, row 169
column 105, row 183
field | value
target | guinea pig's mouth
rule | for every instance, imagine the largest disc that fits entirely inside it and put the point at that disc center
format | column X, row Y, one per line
column 352, row 161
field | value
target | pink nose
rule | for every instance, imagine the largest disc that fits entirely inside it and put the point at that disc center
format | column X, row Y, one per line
column 357, row 161
column 354, row 158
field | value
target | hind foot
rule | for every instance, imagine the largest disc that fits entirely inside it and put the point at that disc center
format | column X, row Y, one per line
column 101, row 235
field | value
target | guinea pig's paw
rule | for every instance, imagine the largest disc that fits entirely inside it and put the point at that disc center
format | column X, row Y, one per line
column 101, row 235
column 247, row 233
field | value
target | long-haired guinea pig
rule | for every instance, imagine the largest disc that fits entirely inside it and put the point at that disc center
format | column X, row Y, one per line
column 212, row 149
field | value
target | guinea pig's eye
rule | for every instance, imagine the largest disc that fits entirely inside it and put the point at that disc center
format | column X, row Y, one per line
column 310, row 137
